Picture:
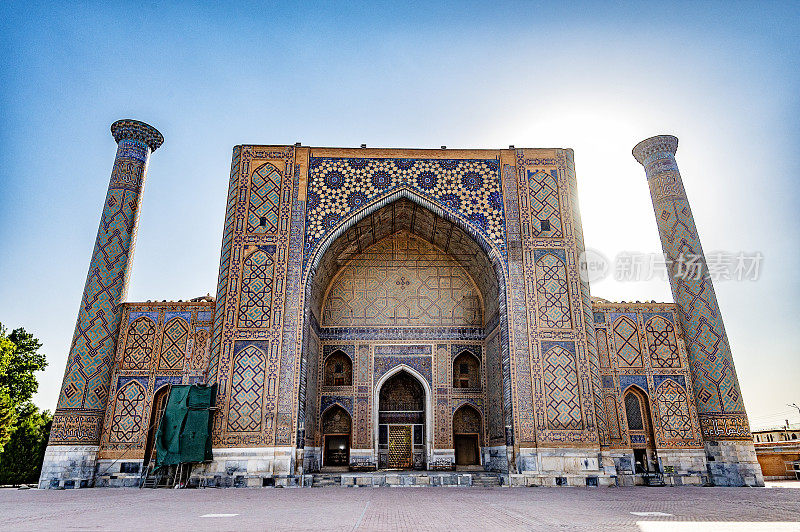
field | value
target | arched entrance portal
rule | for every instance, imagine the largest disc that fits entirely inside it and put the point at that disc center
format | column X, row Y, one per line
column 640, row 429
column 401, row 422
column 336, row 426
column 403, row 287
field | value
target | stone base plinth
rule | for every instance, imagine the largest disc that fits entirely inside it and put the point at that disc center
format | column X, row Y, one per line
column 559, row 466
column 495, row 458
column 68, row 466
column 118, row 473
column 248, row 467
column 683, row 467
column 733, row 463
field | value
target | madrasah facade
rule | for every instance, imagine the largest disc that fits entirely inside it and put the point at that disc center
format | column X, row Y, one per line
column 414, row 310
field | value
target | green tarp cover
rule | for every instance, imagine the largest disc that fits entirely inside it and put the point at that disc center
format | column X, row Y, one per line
column 184, row 434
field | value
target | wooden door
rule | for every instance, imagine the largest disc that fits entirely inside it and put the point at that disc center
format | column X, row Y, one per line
column 466, row 449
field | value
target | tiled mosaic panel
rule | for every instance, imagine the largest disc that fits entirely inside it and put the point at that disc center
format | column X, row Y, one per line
column 716, row 388
column 561, row 386
column 139, row 344
column 673, row 406
column 601, row 338
column 626, row 340
column 265, row 195
column 518, row 395
column 544, row 203
column 674, row 416
column 552, row 292
column 469, row 188
column 661, row 343
column 247, row 389
column 556, row 301
column 173, row 329
column 252, row 300
column 255, row 300
column 173, row 350
column 494, row 390
column 85, row 388
column 402, row 281
column 128, row 413
column 612, row 418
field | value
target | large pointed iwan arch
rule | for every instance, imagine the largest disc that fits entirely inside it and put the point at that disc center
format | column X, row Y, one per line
column 398, row 210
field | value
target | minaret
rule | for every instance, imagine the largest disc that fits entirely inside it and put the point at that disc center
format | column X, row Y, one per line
column 723, row 421
column 74, row 439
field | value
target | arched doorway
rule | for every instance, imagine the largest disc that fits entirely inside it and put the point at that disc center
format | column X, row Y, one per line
column 159, row 405
column 640, row 429
column 336, row 426
column 467, row 436
column 401, row 422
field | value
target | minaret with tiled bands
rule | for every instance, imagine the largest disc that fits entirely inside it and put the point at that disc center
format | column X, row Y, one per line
column 723, row 420
column 78, row 419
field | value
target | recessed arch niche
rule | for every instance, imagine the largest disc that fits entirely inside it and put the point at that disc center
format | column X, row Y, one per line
column 400, row 272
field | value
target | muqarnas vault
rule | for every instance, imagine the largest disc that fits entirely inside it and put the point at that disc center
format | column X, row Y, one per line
column 403, row 309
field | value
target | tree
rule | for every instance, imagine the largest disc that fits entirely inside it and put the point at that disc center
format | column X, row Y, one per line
column 18, row 363
column 21, row 459
column 23, row 429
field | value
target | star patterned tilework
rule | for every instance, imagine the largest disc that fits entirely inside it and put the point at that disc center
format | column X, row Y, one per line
column 469, row 188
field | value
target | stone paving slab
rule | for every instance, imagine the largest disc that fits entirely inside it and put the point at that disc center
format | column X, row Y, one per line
column 508, row 509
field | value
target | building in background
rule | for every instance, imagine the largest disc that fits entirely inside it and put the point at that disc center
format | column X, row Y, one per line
column 403, row 309
column 778, row 451
column 787, row 432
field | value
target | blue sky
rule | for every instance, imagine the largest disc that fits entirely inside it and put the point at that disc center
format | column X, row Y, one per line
column 724, row 77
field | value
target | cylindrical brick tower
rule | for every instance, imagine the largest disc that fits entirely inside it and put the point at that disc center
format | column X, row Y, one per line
column 72, row 450
column 726, row 432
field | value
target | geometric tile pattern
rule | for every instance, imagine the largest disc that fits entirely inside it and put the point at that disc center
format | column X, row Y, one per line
column 139, row 344
column 626, row 342
column 561, row 385
column 402, row 281
column 264, row 199
column 172, row 330
column 612, row 417
column 661, row 343
column 173, row 350
column 201, row 339
column 255, row 301
column 247, row 389
column 466, row 187
column 553, row 292
column 544, row 203
column 673, row 405
column 128, row 413
column 674, row 422
column 602, row 347
column 716, row 388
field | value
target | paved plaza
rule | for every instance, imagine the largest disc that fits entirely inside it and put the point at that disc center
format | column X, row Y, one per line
column 639, row 509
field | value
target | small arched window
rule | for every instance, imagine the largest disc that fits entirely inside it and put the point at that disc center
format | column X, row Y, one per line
column 338, row 370
column 633, row 411
column 466, row 371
